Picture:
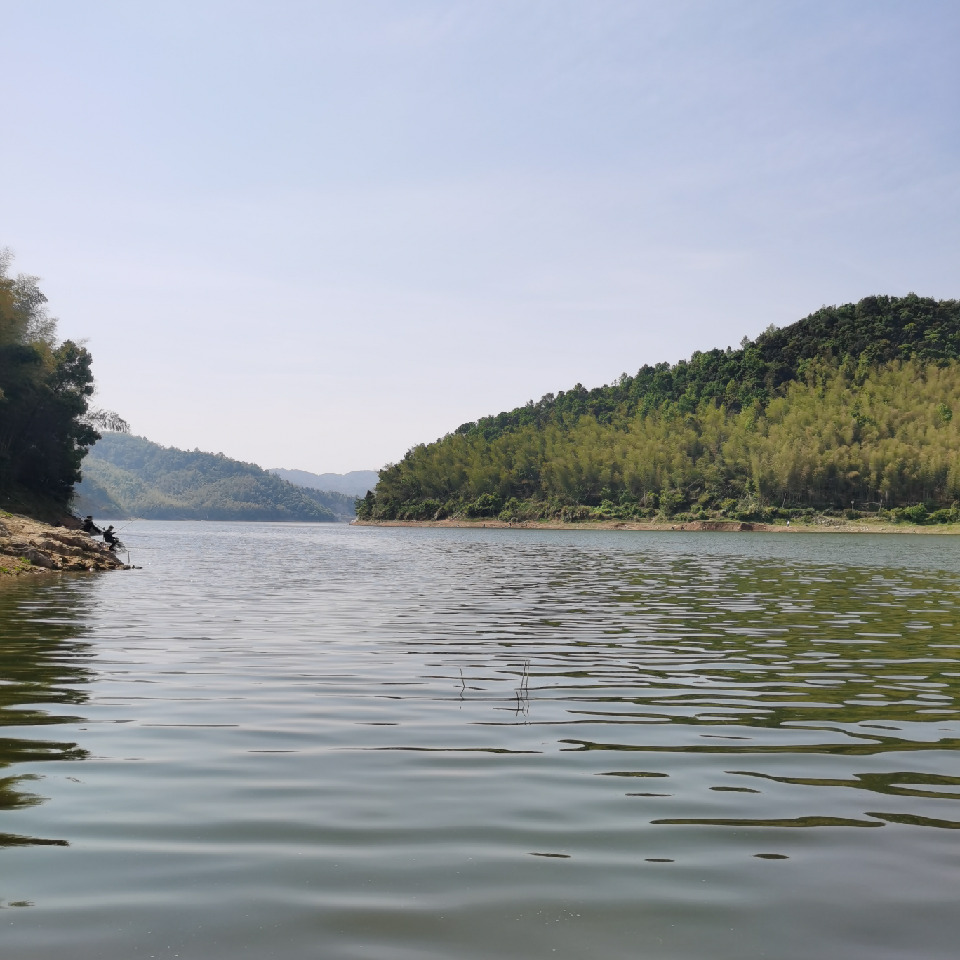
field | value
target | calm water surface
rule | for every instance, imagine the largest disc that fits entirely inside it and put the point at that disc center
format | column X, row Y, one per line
column 285, row 741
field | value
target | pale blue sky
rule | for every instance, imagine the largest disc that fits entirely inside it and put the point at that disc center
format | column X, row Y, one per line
column 315, row 234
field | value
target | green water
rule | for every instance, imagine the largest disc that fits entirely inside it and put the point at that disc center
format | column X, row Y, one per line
column 285, row 741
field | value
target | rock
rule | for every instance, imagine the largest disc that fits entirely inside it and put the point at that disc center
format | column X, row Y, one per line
column 38, row 547
column 40, row 559
column 79, row 541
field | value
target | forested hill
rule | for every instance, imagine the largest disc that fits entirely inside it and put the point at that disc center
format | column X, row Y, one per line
column 875, row 331
column 850, row 408
column 126, row 476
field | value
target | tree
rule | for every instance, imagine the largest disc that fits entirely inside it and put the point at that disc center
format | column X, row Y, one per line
column 46, row 425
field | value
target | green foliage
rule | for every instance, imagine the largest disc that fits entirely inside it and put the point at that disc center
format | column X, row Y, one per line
column 130, row 476
column 849, row 409
column 518, row 511
column 671, row 501
column 875, row 331
column 45, row 387
column 486, row 505
column 363, row 506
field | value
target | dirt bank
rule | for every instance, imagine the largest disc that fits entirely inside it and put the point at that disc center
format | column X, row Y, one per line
column 29, row 547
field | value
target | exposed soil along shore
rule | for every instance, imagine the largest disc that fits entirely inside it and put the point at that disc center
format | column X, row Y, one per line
column 819, row 525
column 29, row 547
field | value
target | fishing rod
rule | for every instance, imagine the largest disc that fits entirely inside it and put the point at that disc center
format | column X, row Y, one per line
column 127, row 524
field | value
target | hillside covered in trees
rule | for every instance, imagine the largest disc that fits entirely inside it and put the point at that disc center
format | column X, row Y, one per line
column 851, row 408
column 46, row 423
column 126, row 476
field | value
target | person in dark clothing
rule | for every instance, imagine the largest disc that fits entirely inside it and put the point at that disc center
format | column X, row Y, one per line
column 111, row 539
column 89, row 526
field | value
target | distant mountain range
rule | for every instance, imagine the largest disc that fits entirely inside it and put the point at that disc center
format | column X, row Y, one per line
column 127, row 476
column 355, row 483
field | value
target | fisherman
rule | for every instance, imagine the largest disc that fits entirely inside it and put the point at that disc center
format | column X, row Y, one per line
column 89, row 526
column 111, row 539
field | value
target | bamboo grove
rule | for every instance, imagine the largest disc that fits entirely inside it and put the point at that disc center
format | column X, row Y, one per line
column 855, row 408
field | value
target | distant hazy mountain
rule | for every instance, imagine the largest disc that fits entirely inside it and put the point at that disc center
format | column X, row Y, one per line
column 355, row 483
column 125, row 476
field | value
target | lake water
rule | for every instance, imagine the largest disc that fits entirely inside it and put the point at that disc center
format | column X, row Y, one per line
column 313, row 741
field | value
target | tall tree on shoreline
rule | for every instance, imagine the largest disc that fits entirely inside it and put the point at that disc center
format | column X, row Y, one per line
column 46, row 424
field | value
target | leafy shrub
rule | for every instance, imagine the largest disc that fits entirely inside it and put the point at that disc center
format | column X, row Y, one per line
column 671, row 501
column 915, row 514
column 419, row 510
column 515, row 509
column 486, row 505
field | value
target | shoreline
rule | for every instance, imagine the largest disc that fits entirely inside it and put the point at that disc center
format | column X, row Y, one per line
column 29, row 547
column 825, row 525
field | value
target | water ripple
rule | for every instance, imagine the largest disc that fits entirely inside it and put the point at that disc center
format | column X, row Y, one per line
column 275, row 740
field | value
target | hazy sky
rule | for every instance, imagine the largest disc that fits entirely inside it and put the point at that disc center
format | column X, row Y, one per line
column 312, row 234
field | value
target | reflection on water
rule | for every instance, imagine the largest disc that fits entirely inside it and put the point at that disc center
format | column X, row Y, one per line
column 303, row 741
column 41, row 666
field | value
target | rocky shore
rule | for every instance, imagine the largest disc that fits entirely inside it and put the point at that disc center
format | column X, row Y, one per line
column 29, row 547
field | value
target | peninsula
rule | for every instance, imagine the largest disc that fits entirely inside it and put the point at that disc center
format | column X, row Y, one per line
column 852, row 413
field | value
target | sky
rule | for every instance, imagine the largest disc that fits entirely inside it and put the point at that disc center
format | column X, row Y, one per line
column 315, row 234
